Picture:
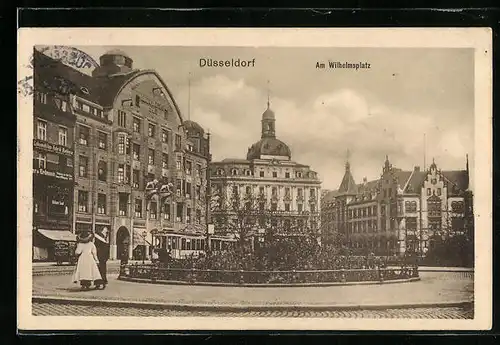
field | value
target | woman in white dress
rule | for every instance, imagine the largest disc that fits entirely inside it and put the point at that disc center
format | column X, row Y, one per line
column 86, row 270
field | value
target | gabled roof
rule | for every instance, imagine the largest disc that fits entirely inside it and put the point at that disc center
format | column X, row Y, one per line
column 330, row 196
column 459, row 178
column 402, row 177
column 415, row 182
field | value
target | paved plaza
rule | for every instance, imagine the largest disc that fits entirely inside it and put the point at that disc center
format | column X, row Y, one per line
column 436, row 295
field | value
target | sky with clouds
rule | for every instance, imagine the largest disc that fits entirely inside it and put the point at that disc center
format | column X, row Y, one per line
column 322, row 113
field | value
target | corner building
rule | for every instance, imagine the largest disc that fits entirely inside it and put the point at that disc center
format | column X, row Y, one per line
column 287, row 193
column 402, row 212
column 53, row 172
column 129, row 132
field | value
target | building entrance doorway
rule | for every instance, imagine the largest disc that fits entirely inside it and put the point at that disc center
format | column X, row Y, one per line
column 122, row 243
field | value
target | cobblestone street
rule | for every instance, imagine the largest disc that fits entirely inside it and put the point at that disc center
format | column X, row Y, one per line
column 57, row 309
column 435, row 296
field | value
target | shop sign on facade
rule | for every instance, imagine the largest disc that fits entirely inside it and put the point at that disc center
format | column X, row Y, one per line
column 56, row 174
column 40, row 144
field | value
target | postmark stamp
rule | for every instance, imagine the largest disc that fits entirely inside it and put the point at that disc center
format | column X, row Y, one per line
column 67, row 55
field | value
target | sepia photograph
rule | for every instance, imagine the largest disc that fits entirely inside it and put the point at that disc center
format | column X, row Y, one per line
column 243, row 182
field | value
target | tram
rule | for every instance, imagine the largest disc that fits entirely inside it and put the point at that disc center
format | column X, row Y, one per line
column 182, row 245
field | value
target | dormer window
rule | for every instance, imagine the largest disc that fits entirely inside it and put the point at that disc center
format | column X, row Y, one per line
column 234, row 172
column 84, row 90
column 248, row 172
column 220, row 172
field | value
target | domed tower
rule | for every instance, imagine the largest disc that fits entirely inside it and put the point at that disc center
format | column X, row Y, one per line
column 269, row 145
column 113, row 62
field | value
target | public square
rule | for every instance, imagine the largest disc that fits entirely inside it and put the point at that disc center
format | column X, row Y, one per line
column 445, row 294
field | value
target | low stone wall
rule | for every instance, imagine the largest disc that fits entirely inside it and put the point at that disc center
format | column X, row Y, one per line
column 155, row 274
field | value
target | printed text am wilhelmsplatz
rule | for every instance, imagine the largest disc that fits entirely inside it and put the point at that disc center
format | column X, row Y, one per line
column 342, row 65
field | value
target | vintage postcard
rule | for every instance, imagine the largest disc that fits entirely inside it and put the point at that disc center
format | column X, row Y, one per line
column 274, row 179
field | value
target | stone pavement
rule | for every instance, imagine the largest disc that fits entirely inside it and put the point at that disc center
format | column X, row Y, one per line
column 58, row 309
column 434, row 289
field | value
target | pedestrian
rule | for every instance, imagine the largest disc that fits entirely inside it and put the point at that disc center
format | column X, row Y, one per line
column 86, row 270
column 102, row 245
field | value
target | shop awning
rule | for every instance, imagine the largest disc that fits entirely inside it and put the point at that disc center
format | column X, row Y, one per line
column 58, row 235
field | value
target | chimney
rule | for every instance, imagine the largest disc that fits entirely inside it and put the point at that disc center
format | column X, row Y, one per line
column 417, row 168
column 364, row 180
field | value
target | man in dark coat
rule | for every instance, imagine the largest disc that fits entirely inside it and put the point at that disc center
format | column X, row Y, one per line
column 102, row 246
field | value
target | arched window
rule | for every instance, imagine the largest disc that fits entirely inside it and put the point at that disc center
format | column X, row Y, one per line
column 234, row 172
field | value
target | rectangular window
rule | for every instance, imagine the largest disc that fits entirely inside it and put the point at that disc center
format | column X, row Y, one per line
column 102, row 171
column 63, row 136
column 151, row 130
column 188, row 190
column 261, row 191
column 136, row 124
column 164, row 160
column 42, row 97
column 299, row 207
column 248, row 190
column 103, row 140
column 121, row 173
column 261, row 173
column 135, row 178
column 178, row 142
column 83, row 201
column 287, row 175
column 86, row 108
column 101, row 203
column 83, row 166
column 137, row 101
column 299, row 192
column 188, row 215
column 153, row 210
column 439, row 192
column 411, row 206
column 274, row 192
column 166, row 211
column 122, row 118
column 136, row 151
column 164, row 136
column 179, row 212
column 428, row 191
column 178, row 163
column 69, row 162
column 287, row 207
column 41, row 161
column 122, row 204
column 198, row 170
column 274, row 206
column 138, row 208
column 121, row 144
column 275, row 174
column 41, row 133
column 313, row 208
column 411, row 223
column 189, row 167
column 151, row 156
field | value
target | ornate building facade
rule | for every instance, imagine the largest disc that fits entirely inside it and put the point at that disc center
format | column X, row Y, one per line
column 53, row 149
column 266, row 192
column 402, row 212
column 138, row 165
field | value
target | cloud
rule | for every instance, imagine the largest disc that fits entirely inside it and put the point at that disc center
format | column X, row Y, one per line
column 320, row 130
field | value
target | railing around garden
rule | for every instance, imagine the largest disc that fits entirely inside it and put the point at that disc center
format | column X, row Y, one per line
column 155, row 273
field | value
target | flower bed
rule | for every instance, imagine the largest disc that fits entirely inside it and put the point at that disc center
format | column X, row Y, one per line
column 156, row 273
